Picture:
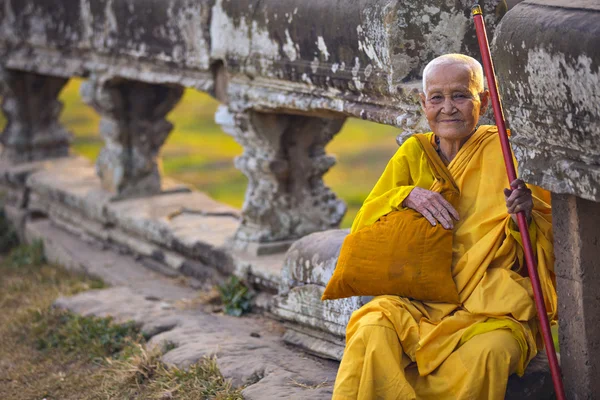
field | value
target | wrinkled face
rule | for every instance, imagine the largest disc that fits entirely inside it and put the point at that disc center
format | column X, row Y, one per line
column 452, row 103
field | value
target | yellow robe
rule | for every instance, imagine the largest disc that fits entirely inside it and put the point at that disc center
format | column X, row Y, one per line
column 398, row 348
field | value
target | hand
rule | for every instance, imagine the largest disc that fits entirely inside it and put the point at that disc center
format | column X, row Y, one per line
column 432, row 206
column 518, row 199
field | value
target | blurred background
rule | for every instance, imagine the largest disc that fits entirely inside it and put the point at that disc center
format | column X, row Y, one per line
column 199, row 153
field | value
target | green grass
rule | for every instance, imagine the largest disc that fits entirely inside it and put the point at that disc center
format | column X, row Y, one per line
column 49, row 353
column 197, row 152
column 95, row 337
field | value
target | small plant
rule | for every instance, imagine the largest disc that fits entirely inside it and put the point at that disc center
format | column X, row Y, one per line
column 96, row 337
column 236, row 297
column 27, row 255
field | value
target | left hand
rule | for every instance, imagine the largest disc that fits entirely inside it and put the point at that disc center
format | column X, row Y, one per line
column 518, row 199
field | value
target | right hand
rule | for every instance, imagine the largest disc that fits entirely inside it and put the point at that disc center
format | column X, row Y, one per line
column 432, row 206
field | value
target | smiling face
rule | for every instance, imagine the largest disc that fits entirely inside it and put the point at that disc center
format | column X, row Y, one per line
column 452, row 103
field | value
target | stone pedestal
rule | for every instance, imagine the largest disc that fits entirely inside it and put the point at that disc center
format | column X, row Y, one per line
column 577, row 249
column 134, row 128
column 31, row 106
column 284, row 159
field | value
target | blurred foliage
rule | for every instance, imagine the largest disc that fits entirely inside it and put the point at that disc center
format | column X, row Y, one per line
column 27, row 255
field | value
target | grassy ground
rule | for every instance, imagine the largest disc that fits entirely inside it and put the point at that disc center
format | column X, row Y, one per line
column 48, row 353
column 199, row 153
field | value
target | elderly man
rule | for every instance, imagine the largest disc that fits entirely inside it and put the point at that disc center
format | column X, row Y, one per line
column 401, row 348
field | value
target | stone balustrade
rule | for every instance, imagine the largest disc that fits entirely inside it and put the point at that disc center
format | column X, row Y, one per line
column 285, row 89
column 287, row 74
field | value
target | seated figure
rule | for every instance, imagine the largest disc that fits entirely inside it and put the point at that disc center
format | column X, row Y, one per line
column 402, row 348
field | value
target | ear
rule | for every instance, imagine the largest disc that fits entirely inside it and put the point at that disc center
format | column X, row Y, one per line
column 484, row 99
column 422, row 96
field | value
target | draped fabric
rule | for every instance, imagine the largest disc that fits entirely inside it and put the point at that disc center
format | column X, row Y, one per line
column 488, row 269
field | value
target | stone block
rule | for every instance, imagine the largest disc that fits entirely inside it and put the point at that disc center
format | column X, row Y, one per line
column 263, row 272
column 319, row 326
column 312, row 259
column 71, row 182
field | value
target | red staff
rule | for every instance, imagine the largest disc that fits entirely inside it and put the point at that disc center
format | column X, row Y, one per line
column 521, row 218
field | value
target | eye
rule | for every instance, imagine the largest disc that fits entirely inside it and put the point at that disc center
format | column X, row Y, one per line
column 436, row 98
column 460, row 97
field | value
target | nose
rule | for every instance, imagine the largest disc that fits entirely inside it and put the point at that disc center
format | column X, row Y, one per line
column 448, row 106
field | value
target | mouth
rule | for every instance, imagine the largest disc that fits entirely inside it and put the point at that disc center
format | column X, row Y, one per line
column 451, row 121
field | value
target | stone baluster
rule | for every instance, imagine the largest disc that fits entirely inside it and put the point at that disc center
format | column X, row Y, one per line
column 284, row 159
column 134, row 127
column 32, row 109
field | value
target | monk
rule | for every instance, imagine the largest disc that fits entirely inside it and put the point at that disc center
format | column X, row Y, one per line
column 401, row 348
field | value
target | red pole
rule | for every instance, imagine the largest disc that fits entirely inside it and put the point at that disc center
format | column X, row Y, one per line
column 521, row 218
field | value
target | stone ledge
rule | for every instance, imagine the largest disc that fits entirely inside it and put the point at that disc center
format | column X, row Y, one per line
column 182, row 229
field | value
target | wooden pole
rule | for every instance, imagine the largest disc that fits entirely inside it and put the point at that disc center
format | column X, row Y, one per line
column 521, row 218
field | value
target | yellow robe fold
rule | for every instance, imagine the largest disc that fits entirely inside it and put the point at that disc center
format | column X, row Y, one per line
column 402, row 348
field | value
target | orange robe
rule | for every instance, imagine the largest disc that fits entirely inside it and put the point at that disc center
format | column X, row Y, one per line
column 399, row 348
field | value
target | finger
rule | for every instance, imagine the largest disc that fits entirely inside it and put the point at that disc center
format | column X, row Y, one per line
column 520, row 207
column 439, row 216
column 523, row 206
column 517, row 183
column 519, row 193
column 448, row 207
column 443, row 215
column 428, row 217
column 507, row 193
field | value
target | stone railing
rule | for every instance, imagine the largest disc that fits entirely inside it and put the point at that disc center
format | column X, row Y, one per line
column 287, row 74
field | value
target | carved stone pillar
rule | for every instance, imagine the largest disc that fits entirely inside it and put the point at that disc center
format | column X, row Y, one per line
column 134, row 127
column 31, row 106
column 284, row 159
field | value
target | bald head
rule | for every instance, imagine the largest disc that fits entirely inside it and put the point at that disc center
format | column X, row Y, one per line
column 456, row 59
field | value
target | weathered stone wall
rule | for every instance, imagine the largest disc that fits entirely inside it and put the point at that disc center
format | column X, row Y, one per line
column 360, row 58
column 547, row 55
